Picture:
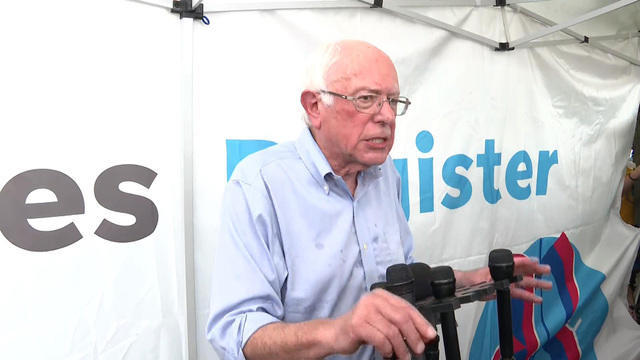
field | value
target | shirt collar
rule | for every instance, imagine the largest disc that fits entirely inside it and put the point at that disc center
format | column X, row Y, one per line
column 317, row 163
column 313, row 158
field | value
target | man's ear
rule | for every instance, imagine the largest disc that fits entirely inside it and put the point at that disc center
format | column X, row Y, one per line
column 311, row 103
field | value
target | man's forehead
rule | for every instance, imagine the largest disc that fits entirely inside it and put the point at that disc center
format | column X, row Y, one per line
column 377, row 74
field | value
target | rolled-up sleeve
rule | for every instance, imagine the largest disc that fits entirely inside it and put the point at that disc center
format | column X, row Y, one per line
column 249, row 269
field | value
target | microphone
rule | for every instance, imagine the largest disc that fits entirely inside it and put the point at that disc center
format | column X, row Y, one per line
column 400, row 281
column 422, row 276
column 443, row 284
column 501, row 267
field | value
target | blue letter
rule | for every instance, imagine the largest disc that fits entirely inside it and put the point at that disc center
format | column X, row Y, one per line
column 424, row 143
column 240, row 149
column 401, row 166
column 545, row 161
column 488, row 161
column 513, row 175
column 456, row 181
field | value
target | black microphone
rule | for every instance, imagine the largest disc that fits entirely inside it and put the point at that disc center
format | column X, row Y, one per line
column 421, row 274
column 400, row 281
column 501, row 267
column 443, row 283
column 422, row 277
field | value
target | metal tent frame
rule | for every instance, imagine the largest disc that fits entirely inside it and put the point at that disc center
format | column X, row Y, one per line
column 399, row 8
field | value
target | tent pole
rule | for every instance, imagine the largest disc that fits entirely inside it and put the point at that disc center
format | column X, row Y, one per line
column 615, row 53
column 546, row 21
column 579, row 37
column 504, row 23
column 542, row 43
column 559, row 27
column 293, row 5
column 152, row 4
column 614, row 36
column 282, row 5
column 412, row 15
column 187, row 141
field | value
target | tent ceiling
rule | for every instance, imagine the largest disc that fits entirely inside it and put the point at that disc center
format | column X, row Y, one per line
column 600, row 20
column 627, row 19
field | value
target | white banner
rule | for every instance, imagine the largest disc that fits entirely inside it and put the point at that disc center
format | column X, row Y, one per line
column 498, row 150
column 92, row 244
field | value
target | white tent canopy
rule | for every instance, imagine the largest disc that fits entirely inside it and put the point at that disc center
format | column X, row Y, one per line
column 593, row 22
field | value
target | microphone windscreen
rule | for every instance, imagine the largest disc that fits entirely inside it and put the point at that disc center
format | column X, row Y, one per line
column 443, row 281
column 500, row 257
column 400, row 282
column 501, row 264
column 422, row 275
column 398, row 274
column 442, row 274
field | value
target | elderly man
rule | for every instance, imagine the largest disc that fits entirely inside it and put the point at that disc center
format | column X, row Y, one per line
column 309, row 226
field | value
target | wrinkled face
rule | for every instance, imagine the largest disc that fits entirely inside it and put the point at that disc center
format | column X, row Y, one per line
column 351, row 139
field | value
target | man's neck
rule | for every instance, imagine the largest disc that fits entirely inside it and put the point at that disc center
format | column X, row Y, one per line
column 351, row 180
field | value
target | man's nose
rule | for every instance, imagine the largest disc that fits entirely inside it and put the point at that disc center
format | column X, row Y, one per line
column 386, row 113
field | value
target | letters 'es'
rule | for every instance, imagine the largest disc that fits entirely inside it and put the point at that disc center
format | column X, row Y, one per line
column 15, row 211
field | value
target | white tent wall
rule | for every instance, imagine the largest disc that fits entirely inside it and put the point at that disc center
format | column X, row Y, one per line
column 86, row 86
column 573, row 99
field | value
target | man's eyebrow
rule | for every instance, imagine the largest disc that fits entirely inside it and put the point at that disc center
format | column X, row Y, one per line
column 366, row 89
column 374, row 91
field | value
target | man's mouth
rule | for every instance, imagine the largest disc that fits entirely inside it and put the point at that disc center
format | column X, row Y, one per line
column 377, row 140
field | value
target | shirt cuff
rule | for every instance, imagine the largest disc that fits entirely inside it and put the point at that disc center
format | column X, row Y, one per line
column 253, row 322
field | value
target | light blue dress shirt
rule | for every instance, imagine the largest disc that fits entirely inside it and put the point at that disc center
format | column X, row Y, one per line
column 295, row 245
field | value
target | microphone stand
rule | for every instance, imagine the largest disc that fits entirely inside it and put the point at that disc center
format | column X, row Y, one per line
column 443, row 284
column 400, row 281
column 501, row 267
column 439, row 308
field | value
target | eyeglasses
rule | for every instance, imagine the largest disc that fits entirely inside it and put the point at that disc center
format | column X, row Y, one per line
column 365, row 103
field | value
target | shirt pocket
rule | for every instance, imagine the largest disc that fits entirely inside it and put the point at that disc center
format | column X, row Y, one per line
column 387, row 242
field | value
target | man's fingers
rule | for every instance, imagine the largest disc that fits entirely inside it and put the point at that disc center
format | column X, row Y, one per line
column 525, row 295
column 529, row 266
column 409, row 327
column 392, row 336
column 413, row 326
column 531, row 282
column 375, row 337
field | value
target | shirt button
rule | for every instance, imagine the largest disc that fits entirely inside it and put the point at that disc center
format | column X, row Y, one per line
column 365, row 246
column 326, row 189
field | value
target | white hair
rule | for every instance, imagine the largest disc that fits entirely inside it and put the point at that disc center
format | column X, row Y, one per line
column 316, row 75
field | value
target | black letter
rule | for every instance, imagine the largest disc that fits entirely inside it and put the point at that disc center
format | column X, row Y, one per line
column 109, row 196
column 14, row 211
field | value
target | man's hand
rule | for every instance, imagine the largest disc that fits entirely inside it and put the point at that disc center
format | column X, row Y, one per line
column 381, row 319
column 528, row 267
column 387, row 322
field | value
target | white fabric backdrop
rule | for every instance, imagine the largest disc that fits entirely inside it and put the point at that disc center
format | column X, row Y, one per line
column 573, row 100
column 86, row 86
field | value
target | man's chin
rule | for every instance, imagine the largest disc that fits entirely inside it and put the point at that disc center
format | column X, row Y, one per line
column 375, row 160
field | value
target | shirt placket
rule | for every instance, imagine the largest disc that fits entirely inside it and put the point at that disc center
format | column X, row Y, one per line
column 362, row 228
